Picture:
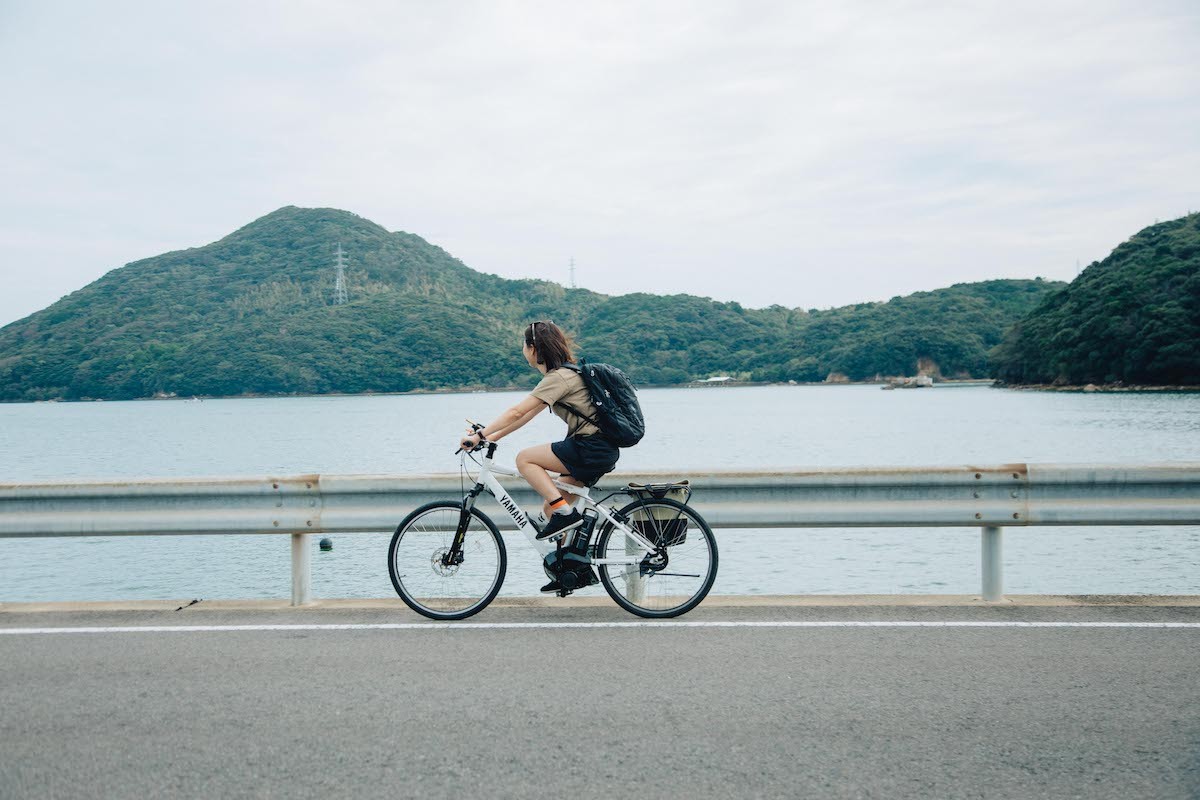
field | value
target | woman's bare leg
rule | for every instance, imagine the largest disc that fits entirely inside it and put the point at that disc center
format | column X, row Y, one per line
column 571, row 498
column 532, row 463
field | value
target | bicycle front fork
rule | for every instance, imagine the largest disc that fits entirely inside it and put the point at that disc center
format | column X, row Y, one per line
column 454, row 555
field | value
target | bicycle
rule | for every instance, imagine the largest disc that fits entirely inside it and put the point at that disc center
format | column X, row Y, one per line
column 447, row 559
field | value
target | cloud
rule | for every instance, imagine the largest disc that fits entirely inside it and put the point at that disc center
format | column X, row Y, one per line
column 760, row 152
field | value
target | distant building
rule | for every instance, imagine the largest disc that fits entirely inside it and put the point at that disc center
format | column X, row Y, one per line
column 716, row 380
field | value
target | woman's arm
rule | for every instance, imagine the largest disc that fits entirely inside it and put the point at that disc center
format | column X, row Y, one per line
column 501, row 433
column 513, row 418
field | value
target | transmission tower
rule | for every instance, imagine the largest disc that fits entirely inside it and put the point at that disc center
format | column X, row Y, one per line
column 339, row 285
column 573, row 286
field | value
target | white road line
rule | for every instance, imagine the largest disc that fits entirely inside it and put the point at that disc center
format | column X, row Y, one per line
column 423, row 626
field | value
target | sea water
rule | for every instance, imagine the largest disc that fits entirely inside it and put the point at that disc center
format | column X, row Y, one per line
column 688, row 430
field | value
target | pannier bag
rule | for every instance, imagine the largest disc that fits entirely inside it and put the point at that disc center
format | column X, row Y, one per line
column 618, row 412
column 666, row 527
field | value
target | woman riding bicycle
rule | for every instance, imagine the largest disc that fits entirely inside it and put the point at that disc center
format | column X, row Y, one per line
column 655, row 555
column 583, row 457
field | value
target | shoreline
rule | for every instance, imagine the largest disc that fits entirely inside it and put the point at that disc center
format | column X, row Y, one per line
column 1093, row 388
column 948, row 382
column 487, row 390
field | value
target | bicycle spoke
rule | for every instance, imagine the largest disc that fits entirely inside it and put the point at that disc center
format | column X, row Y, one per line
column 673, row 578
column 436, row 582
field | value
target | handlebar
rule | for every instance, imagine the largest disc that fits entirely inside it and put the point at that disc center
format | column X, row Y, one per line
column 476, row 428
column 491, row 446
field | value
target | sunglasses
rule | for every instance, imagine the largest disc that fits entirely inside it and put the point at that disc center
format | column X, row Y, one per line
column 533, row 329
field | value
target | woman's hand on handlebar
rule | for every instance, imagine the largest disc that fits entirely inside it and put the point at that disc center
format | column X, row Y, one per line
column 474, row 438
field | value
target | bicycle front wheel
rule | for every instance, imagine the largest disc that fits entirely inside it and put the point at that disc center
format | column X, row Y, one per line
column 674, row 579
column 418, row 568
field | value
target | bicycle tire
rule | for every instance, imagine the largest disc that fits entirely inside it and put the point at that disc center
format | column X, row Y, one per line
column 696, row 525
column 439, row 536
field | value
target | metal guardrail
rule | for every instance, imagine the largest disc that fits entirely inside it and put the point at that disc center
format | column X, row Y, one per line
column 991, row 498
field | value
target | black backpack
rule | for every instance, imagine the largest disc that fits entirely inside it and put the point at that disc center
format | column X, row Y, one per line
column 618, row 413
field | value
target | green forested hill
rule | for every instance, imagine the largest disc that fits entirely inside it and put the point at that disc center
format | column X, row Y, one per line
column 677, row 338
column 253, row 314
column 1133, row 318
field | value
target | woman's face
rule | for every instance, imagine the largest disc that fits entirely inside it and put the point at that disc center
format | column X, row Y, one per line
column 530, row 355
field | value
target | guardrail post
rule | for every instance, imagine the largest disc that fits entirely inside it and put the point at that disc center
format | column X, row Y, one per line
column 635, row 583
column 301, row 570
column 993, row 563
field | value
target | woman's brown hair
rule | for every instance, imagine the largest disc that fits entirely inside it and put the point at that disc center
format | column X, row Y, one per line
column 550, row 343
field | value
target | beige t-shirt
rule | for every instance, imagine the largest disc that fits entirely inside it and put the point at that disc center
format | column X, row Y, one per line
column 565, row 385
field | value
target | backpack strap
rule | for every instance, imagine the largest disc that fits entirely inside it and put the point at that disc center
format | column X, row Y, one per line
column 581, row 415
column 579, row 370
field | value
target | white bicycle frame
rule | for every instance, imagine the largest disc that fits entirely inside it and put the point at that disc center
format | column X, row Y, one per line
column 637, row 546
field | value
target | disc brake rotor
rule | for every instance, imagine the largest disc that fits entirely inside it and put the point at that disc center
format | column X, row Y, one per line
column 438, row 560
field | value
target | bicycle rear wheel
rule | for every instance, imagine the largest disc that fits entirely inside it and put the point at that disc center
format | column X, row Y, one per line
column 674, row 579
column 422, row 578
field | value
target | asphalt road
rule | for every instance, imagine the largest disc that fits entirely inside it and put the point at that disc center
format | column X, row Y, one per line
column 637, row 711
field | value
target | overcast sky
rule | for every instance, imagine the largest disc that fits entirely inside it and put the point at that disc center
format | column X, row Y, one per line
column 809, row 155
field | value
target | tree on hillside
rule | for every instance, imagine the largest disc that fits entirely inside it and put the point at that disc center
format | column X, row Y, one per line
column 252, row 314
column 1133, row 318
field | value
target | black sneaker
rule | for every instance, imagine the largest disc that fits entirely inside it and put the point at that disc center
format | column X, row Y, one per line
column 552, row 586
column 560, row 523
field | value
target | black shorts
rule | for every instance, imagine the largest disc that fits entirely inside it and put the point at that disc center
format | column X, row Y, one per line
column 587, row 458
